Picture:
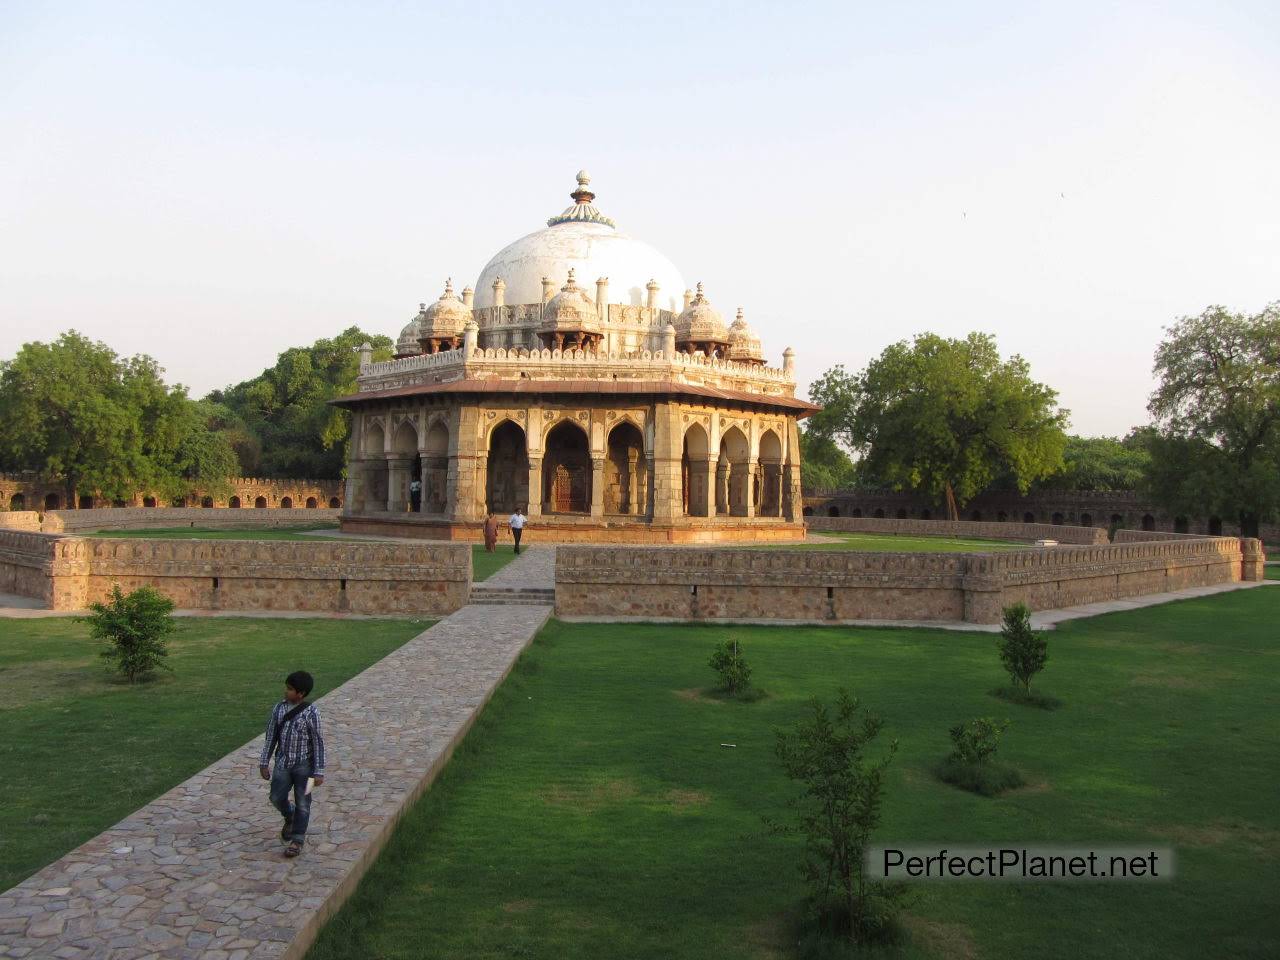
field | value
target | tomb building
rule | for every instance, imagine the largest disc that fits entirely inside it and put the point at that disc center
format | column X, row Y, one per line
column 582, row 381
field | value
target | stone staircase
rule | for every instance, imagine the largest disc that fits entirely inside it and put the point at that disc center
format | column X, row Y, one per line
column 504, row 595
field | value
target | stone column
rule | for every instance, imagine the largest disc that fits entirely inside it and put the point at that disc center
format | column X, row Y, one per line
column 749, row 494
column 534, row 507
column 709, row 471
column 597, row 487
column 722, row 491
column 667, row 453
column 349, row 492
column 480, row 495
column 398, row 470
column 648, row 488
column 451, row 488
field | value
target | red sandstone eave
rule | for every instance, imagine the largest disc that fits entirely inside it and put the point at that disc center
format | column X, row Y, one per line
column 630, row 388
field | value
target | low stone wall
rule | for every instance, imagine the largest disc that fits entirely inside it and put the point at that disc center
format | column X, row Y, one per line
column 153, row 518
column 67, row 573
column 703, row 584
column 26, row 564
column 19, row 520
column 976, row 529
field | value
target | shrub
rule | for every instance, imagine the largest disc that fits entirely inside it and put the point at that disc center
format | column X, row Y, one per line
column 1023, row 651
column 837, row 813
column 976, row 740
column 735, row 675
column 971, row 766
column 135, row 626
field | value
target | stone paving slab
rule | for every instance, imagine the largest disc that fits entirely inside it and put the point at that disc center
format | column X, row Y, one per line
column 199, row 872
column 535, row 567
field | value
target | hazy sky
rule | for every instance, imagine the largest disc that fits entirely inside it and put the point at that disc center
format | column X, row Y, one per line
column 212, row 183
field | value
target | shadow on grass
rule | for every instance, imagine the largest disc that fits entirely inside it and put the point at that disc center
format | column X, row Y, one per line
column 1025, row 698
column 749, row 695
column 990, row 779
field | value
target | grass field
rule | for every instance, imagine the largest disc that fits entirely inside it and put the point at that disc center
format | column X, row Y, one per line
column 595, row 811
column 1272, row 571
column 81, row 750
column 882, row 542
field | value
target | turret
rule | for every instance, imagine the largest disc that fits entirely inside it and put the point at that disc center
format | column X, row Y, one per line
column 499, row 292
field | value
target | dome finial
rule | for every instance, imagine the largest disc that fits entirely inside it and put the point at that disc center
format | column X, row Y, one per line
column 571, row 282
column 582, row 210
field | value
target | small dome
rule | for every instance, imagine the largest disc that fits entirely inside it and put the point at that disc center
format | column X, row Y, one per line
column 744, row 345
column 701, row 322
column 407, row 345
column 446, row 317
column 570, row 310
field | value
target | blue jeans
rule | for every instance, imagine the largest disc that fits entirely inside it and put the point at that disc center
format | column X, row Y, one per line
column 283, row 781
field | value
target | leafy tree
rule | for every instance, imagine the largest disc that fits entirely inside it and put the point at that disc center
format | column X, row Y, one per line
column 823, row 465
column 1023, row 651
column 73, row 409
column 837, row 813
column 1216, row 449
column 728, row 661
column 944, row 417
column 135, row 626
column 285, row 411
column 1101, row 463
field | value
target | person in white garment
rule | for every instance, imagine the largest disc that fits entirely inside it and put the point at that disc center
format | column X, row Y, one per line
column 517, row 522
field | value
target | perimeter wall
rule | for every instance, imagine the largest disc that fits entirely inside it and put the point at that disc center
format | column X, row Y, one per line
column 709, row 584
column 67, row 573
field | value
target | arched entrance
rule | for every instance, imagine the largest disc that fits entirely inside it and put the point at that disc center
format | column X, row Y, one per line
column 52, row 501
column 311, row 503
column 286, row 503
column 260, row 503
column 17, row 502
column 435, row 470
column 375, row 468
column 770, row 503
column 401, row 466
column 626, row 472
column 732, row 477
column 566, row 470
column 694, row 473
column 507, row 483
column 234, row 503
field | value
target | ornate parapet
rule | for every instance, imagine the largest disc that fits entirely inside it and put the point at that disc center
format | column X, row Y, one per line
column 518, row 362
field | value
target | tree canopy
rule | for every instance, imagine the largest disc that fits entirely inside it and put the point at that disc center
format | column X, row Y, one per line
column 73, row 409
column 944, row 417
column 1102, row 463
column 281, row 423
column 1216, row 447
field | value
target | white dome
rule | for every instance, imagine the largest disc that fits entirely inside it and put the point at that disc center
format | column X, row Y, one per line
column 587, row 242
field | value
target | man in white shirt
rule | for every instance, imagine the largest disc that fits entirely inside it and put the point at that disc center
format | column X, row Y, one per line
column 517, row 523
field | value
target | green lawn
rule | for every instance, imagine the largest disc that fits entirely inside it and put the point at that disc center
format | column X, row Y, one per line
column 80, row 750
column 222, row 533
column 484, row 565
column 595, row 812
column 1272, row 571
column 888, row 542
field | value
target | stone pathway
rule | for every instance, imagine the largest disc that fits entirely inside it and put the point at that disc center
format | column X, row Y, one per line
column 535, row 568
column 198, row 873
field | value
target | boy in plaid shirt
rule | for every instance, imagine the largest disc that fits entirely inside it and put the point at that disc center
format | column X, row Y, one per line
column 294, row 728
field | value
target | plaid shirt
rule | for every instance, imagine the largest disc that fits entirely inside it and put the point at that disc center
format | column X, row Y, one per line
column 295, row 739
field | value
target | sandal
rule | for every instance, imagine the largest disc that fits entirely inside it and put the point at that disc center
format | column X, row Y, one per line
column 293, row 849
column 287, row 832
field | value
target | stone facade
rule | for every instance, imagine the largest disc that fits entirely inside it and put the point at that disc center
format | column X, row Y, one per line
column 1105, row 510
column 21, row 491
column 158, row 518
column 835, row 586
column 67, row 573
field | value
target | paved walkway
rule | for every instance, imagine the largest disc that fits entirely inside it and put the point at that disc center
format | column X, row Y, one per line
column 534, row 568
column 198, row 873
